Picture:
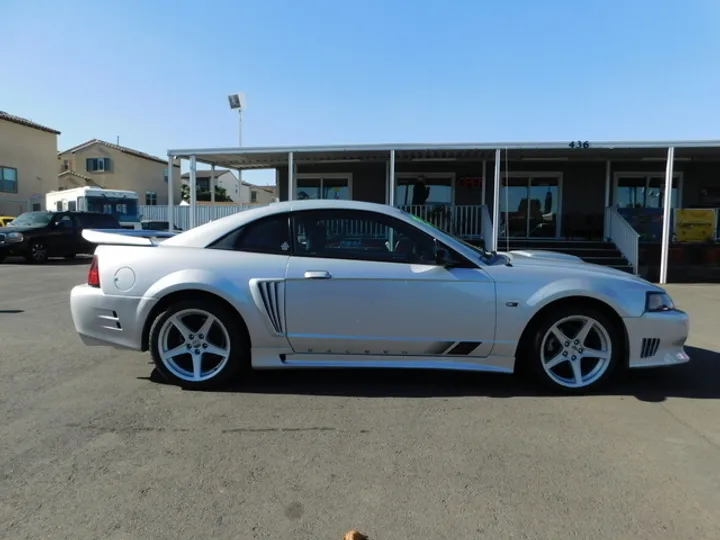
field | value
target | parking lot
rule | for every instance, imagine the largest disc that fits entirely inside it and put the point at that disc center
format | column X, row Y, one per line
column 93, row 446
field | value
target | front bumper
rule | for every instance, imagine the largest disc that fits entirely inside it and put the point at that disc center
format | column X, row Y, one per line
column 102, row 319
column 18, row 249
column 658, row 339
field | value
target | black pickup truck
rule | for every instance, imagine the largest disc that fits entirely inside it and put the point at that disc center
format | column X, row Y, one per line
column 37, row 236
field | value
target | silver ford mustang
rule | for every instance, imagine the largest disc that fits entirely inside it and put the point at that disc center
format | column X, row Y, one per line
column 350, row 284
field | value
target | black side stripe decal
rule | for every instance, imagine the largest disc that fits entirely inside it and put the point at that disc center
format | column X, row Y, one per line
column 464, row 348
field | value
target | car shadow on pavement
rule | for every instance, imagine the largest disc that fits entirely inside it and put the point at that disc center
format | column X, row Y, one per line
column 697, row 379
column 19, row 261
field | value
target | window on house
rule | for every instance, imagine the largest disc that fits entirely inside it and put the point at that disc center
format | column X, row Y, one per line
column 72, row 206
column 165, row 172
column 253, row 196
column 8, row 180
column 150, row 198
column 66, row 165
column 98, row 164
column 36, row 207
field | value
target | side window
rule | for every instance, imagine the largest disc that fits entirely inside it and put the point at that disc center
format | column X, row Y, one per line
column 65, row 222
column 360, row 235
column 268, row 235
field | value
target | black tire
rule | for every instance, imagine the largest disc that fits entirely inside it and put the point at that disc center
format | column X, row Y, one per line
column 238, row 361
column 534, row 349
column 38, row 252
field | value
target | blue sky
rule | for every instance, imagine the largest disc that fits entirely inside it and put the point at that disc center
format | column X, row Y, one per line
column 157, row 73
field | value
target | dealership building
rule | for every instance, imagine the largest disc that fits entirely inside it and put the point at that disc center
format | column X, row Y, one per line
column 603, row 201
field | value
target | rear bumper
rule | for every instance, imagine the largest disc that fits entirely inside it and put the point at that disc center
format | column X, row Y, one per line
column 658, row 339
column 102, row 319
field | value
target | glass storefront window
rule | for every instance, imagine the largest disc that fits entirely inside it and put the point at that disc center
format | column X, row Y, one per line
column 438, row 190
column 326, row 187
column 646, row 191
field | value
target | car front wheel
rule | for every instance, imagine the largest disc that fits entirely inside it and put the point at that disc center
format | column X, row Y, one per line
column 199, row 344
column 575, row 349
column 38, row 253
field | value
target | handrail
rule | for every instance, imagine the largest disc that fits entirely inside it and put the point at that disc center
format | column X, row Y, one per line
column 624, row 236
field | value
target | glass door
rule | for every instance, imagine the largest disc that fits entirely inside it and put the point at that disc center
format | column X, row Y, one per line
column 513, row 209
column 529, row 207
column 544, row 198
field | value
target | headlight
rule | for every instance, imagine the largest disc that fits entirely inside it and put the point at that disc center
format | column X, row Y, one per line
column 13, row 238
column 657, row 301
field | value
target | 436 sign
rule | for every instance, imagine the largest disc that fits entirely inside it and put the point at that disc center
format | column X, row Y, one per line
column 579, row 144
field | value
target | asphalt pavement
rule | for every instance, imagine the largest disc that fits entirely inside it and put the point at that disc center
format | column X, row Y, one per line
column 93, row 446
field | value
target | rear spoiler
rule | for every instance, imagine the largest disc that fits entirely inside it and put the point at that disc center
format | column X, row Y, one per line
column 125, row 237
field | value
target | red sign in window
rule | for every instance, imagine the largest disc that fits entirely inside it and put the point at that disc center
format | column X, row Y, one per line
column 470, row 182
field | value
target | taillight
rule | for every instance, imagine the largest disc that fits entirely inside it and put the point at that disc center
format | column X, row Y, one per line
column 94, row 273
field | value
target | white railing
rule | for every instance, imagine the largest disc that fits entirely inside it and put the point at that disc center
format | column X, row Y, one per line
column 623, row 236
column 465, row 221
column 470, row 222
column 203, row 213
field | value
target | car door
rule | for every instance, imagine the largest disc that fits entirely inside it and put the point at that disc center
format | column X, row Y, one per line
column 62, row 235
column 364, row 283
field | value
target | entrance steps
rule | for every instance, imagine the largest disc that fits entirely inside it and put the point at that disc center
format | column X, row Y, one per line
column 590, row 251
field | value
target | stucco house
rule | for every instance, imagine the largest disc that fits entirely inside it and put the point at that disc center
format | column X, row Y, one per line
column 108, row 165
column 28, row 164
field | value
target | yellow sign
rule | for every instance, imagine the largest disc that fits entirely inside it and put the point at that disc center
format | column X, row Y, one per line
column 695, row 225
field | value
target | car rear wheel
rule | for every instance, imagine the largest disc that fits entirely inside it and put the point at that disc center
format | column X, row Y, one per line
column 38, row 253
column 575, row 349
column 199, row 344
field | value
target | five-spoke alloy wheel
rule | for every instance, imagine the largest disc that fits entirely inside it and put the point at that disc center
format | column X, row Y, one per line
column 574, row 349
column 198, row 344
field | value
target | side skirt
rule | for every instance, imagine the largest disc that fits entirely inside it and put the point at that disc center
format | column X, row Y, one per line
column 283, row 359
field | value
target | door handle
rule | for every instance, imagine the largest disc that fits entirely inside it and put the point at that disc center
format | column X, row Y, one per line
column 317, row 274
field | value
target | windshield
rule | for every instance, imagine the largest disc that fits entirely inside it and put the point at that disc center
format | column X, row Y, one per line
column 120, row 208
column 477, row 249
column 32, row 219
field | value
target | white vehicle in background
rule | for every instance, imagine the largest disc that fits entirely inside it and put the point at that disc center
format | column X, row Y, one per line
column 119, row 203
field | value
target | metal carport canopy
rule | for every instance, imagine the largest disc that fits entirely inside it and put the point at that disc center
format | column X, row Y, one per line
column 273, row 157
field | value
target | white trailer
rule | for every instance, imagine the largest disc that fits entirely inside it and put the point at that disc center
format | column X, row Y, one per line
column 119, row 203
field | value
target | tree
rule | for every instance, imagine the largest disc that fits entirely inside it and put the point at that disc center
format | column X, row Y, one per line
column 220, row 194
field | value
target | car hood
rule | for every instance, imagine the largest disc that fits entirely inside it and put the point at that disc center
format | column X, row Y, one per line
column 565, row 262
column 5, row 230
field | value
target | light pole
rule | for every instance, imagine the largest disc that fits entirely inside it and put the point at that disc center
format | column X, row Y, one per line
column 237, row 102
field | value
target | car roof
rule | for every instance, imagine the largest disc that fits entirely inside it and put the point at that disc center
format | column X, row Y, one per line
column 204, row 234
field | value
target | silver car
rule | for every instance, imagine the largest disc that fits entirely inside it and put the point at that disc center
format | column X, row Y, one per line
column 307, row 284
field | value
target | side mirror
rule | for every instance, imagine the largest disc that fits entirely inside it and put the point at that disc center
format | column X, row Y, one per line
column 442, row 257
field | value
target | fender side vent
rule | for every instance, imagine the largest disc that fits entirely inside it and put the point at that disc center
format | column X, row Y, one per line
column 649, row 347
column 273, row 297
